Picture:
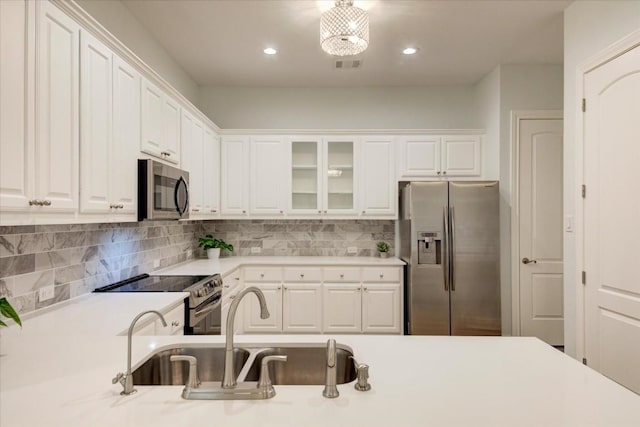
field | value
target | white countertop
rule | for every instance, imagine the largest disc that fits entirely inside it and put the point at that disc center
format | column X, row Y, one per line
column 57, row 371
column 228, row 264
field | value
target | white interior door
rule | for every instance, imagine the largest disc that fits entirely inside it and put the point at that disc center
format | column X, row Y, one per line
column 612, row 218
column 540, row 213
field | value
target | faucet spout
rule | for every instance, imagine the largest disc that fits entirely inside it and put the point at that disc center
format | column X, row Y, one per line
column 127, row 379
column 228, row 378
column 330, row 389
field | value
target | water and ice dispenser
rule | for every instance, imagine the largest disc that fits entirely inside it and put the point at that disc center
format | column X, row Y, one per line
column 429, row 247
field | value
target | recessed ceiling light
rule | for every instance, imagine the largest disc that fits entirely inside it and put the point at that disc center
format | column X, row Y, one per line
column 410, row 51
column 270, row 51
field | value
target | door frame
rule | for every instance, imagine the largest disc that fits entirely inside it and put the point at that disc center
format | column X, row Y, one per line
column 609, row 53
column 516, row 117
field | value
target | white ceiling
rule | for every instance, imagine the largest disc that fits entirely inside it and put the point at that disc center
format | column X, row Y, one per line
column 220, row 42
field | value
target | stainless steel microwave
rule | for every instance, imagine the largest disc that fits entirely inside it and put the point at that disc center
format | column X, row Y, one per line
column 163, row 191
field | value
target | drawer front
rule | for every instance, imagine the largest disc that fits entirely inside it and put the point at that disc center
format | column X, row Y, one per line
column 262, row 274
column 341, row 274
column 303, row 274
column 381, row 274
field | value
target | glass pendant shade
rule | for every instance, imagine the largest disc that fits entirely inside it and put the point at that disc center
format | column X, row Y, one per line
column 344, row 29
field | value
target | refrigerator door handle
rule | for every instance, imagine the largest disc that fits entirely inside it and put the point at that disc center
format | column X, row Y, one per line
column 445, row 249
column 452, row 222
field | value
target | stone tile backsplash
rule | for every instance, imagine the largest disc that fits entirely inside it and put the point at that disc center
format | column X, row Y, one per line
column 78, row 258
column 303, row 237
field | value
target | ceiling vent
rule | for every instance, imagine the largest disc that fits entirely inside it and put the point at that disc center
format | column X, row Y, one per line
column 345, row 64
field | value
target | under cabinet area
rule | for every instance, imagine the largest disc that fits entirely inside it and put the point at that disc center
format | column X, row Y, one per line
column 327, row 299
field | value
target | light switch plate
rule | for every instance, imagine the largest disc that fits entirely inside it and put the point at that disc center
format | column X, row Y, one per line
column 46, row 293
column 156, row 263
column 189, row 253
column 256, row 250
column 568, row 223
column 352, row 250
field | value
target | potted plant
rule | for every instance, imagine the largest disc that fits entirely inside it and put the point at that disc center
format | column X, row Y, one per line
column 6, row 310
column 383, row 249
column 212, row 246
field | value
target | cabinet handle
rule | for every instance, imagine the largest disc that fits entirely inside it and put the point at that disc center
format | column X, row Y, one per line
column 278, row 288
column 46, row 202
column 225, row 286
column 284, row 287
column 236, row 278
column 213, row 211
column 439, row 172
column 365, row 289
column 120, row 206
column 112, row 206
column 195, row 210
column 35, row 202
column 175, row 323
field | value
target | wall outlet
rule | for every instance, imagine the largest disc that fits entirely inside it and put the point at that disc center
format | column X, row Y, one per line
column 568, row 223
column 156, row 263
column 352, row 250
column 46, row 293
column 189, row 253
column 256, row 250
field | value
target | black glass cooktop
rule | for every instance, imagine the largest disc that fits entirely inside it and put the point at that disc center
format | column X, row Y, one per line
column 146, row 283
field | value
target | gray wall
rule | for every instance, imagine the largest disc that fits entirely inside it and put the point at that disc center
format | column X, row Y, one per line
column 425, row 107
column 81, row 257
column 589, row 27
column 116, row 18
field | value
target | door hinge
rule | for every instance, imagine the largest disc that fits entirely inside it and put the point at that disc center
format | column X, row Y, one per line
column 584, row 105
column 584, row 277
column 584, row 191
column 584, row 360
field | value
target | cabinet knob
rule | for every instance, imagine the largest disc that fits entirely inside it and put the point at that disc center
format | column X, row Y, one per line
column 112, row 206
column 262, row 275
column 281, row 212
column 319, row 211
column 244, row 211
column 278, row 288
column 236, row 278
column 439, row 172
column 195, row 210
column 120, row 206
column 365, row 289
column 325, row 211
column 213, row 211
column 364, row 212
column 284, row 287
column 382, row 276
column 175, row 323
column 302, row 276
column 444, row 173
column 225, row 286
column 46, row 202
column 342, row 276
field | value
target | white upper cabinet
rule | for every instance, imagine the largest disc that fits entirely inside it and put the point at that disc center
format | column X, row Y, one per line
column 16, row 167
column 201, row 158
column 96, row 103
column 461, row 155
column 109, row 131
column 234, row 178
column 340, row 175
column 425, row 156
column 268, row 167
column 57, row 75
column 126, row 134
column 378, row 186
column 160, row 124
column 305, row 177
column 211, row 173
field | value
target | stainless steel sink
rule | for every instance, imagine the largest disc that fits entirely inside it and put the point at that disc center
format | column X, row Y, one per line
column 305, row 365
column 159, row 370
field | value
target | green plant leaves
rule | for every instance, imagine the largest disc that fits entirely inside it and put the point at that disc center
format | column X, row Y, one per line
column 208, row 242
column 7, row 311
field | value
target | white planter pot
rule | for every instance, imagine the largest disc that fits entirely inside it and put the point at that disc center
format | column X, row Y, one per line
column 384, row 254
column 213, row 253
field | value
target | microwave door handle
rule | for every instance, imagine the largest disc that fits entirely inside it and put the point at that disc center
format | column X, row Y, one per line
column 181, row 210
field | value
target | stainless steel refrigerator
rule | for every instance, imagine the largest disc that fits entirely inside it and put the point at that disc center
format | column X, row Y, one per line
column 449, row 238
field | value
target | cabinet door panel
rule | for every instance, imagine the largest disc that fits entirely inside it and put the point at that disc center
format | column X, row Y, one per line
column 192, row 159
column 15, row 163
column 96, row 125
column 152, row 119
column 211, row 173
column 58, row 48
column 171, row 130
column 378, row 183
column 234, row 179
column 302, row 308
column 126, row 136
column 252, row 321
column 381, row 308
column 461, row 155
column 342, row 309
column 306, row 176
column 340, row 169
column 267, row 167
column 420, row 156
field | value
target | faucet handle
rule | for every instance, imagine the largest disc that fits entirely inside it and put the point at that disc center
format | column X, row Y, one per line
column 265, row 381
column 362, row 372
column 119, row 378
column 193, row 381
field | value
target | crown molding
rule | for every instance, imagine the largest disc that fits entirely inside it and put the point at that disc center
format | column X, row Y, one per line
column 351, row 131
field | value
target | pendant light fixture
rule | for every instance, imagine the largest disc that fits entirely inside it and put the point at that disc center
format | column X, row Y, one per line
column 344, row 29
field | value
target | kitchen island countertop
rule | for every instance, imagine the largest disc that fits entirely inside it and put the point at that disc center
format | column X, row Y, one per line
column 57, row 371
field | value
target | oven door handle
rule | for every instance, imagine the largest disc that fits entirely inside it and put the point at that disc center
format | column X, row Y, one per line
column 209, row 307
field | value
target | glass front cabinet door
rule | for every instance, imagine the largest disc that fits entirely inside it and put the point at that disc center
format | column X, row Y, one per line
column 339, row 176
column 306, row 176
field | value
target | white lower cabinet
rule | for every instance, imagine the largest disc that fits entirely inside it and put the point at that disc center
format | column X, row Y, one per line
column 302, row 308
column 251, row 307
column 381, row 308
column 342, row 309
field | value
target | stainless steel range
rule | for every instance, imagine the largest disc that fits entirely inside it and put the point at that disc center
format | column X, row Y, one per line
column 202, row 307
